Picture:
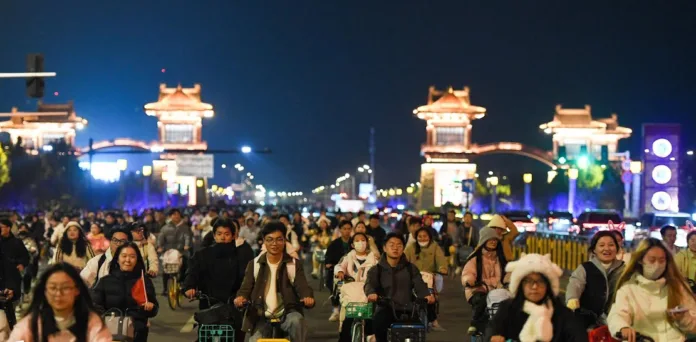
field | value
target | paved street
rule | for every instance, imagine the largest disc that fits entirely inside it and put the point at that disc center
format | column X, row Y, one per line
column 455, row 313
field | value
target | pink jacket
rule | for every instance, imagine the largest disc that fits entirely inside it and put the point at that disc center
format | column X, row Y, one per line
column 492, row 274
column 96, row 331
column 99, row 242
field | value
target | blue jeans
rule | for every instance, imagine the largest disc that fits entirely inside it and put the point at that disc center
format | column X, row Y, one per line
column 294, row 326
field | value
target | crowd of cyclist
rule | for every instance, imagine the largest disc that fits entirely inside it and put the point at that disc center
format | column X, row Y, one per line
column 252, row 260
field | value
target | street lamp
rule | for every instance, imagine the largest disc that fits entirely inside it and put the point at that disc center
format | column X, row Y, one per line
column 246, row 149
column 572, row 187
column 493, row 181
column 224, row 166
column 527, row 178
column 147, row 170
column 637, row 170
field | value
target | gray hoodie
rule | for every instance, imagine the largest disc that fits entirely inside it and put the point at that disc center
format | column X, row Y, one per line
column 398, row 282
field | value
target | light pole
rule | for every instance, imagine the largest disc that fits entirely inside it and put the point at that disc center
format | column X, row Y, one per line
column 636, row 170
column 147, row 172
column 493, row 181
column 527, row 177
column 572, row 187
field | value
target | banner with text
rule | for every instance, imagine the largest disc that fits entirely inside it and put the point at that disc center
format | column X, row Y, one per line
column 189, row 165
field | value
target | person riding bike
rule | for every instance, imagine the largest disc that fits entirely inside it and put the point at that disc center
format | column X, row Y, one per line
column 217, row 271
column 483, row 272
column 276, row 281
column 382, row 280
column 652, row 297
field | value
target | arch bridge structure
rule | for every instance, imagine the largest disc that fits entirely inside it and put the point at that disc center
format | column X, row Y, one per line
column 515, row 148
column 120, row 143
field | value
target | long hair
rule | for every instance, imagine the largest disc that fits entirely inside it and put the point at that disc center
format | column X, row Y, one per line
column 418, row 246
column 677, row 288
column 42, row 313
column 518, row 301
column 139, row 265
column 81, row 246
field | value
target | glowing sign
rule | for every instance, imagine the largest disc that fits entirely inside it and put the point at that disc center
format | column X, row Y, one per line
column 661, row 200
column 662, row 148
column 448, row 181
column 103, row 171
column 661, row 174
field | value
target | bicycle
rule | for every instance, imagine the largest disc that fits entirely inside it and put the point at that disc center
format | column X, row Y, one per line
column 407, row 326
column 172, row 269
column 274, row 322
column 359, row 312
column 217, row 320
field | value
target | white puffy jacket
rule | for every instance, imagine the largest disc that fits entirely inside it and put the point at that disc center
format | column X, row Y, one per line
column 642, row 304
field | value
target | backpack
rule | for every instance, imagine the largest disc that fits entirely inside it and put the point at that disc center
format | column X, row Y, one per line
column 289, row 267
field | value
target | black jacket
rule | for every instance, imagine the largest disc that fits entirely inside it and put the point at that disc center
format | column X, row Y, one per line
column 510, row 319
column 114, row 291
column 218, row 270
column 335, row 252
column 14, row 251
column 378, row 234
column 397, row 283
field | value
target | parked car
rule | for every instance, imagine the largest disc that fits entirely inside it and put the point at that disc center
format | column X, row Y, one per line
column 592, row 221
column 558, row 220
column 522, row 220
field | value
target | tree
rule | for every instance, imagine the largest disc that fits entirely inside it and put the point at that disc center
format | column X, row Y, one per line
column 4, row 167
column 591, row 177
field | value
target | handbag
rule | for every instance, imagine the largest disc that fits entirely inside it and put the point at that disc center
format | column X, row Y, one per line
column 120, row 325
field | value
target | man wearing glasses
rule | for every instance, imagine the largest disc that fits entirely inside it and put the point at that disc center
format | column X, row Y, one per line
column 276, row 285
column 98, row 266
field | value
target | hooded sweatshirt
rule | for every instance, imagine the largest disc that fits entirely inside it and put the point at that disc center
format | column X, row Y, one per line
column 492, row 270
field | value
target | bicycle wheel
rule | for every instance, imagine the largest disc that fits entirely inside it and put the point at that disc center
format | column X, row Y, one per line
column 172, row 292
column 356, row 332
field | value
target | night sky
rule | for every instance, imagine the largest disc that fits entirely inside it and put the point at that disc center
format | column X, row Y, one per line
column 308, row 79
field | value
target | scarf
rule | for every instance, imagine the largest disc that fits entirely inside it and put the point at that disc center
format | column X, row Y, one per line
column 538, row 326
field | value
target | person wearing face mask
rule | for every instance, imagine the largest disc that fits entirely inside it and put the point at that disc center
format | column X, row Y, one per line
column 217, row 271
column 355, row 265
column 427, row 255
column 371, row 245
column 484, row 271
column 591, row 285
column 652, row 297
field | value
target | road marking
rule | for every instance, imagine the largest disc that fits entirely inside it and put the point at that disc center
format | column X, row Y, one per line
column 188, row 327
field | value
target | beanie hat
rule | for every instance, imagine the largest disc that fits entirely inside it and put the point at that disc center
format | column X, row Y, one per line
column 497, row 221
column 487, row 234
column 534, row 263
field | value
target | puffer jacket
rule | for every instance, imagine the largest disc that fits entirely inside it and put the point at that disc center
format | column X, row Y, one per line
column 96, row 331
column 349, row 266
column 641, row 303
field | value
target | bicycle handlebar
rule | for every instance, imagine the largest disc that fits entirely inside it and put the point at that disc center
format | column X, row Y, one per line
column 639, row 337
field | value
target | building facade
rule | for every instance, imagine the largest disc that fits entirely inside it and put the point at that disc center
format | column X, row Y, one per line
column 49, row 124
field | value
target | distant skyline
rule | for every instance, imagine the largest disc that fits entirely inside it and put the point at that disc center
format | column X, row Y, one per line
column 308, row 79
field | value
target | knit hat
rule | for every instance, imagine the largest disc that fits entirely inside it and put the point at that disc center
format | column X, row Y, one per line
column 486, row 234
column 497, row 221
column 534, row 263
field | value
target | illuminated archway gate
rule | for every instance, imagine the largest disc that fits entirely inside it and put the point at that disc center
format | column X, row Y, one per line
column 537, row 154
column 115, row 143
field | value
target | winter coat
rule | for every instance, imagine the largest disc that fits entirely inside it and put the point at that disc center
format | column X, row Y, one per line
column 686, row 262
column 254, row 288
column 350, row 267
column 492, row 273
column 114, row 292
column 594, row 286
column 397, row 283
column 510, row 319
column 14, row 251
column 97, row 331
column 174, row 237
column 72, row 258
column 642, row 304
column 430, row 259
column 98, row 242
column 218, row 272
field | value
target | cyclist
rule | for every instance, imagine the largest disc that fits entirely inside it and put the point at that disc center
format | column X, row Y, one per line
column 652, row 297
column 276, row 281
column 217, row 271
column 382, row 280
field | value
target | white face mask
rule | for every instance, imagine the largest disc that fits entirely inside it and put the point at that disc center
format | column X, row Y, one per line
column 423, row 244
column 653, row 271
column 360, row 246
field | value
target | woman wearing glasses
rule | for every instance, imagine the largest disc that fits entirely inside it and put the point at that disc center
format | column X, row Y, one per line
column 61, row 310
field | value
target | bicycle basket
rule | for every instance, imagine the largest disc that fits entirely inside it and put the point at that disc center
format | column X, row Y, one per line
column 172, row 268
column 359, row 310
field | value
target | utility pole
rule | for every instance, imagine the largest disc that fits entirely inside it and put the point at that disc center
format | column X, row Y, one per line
column 373, row 191
column 34, row 76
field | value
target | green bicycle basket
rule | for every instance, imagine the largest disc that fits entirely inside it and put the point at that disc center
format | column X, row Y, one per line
column 359, row 310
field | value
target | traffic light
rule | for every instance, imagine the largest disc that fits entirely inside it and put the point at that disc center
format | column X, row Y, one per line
column 35, row 85
column 562, row 158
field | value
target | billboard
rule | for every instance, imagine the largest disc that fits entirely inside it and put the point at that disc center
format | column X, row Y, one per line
column 661, row 157
column 192, row 165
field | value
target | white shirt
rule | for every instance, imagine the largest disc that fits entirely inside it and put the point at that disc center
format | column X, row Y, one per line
column 272, row 300
column 90, row 272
